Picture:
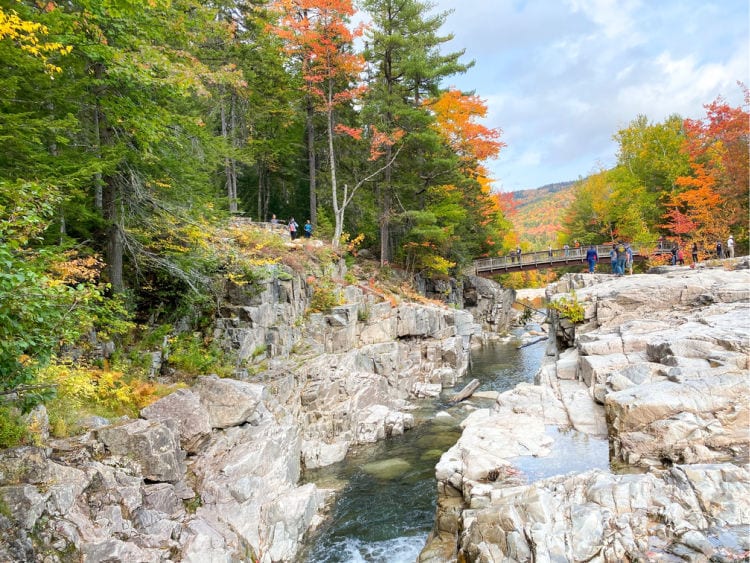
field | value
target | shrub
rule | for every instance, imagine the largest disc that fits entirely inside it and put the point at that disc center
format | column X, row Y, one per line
column 84, row 391
column 12, row 430
column 569, row 308
column 326, row 295
column 192, row 355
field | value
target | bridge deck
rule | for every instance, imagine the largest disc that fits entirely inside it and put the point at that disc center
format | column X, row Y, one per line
column 556, row 258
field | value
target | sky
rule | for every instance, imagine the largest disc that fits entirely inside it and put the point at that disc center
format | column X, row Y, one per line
column 561, row 77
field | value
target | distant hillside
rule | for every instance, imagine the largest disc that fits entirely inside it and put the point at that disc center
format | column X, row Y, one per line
column 539, row 213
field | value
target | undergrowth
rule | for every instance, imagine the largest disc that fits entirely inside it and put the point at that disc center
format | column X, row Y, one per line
column 83, row 390
column 569, row 308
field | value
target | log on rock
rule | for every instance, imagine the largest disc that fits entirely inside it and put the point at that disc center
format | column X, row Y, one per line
column 466, row 392
column 530, row 342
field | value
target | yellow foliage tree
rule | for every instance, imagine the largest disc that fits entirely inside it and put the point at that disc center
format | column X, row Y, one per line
column 27, row 36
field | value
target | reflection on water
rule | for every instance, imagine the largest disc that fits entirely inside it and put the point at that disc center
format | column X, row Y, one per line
column 386, row 508
column 572, row 451
column 500, row 366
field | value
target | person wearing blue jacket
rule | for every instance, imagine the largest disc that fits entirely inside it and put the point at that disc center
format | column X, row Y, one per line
column 592, row 258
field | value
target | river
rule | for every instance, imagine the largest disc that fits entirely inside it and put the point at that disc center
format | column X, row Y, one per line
column 385, row 507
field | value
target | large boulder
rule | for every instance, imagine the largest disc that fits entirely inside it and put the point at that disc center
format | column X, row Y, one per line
column 153, row 445
column 489, row 303
column 698, row 513
column 185, row 408
column 229, row 402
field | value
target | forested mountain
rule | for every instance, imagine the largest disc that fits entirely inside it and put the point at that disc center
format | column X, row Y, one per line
column 538, row 214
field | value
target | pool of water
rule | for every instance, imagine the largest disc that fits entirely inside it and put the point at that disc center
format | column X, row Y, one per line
column 387, row 504
column 385, row 507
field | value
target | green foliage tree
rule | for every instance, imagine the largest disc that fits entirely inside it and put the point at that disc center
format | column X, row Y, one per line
column 629, row 200
column 406, row 63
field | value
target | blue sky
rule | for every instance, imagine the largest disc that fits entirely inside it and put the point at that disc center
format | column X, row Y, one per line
column 561, row 77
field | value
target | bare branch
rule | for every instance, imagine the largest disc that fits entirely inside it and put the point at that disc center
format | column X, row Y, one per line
column 347, row 200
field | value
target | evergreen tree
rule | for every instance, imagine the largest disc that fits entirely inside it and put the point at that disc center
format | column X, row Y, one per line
column 405, row 64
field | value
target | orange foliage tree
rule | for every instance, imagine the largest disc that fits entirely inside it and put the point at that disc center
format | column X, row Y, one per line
column 318, row 34
column 456, row 120
column 713, row 200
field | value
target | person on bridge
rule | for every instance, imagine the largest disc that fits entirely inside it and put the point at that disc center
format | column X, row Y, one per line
column 629, row 258
column 613, row 259
column 622, row 255
column 592, row 258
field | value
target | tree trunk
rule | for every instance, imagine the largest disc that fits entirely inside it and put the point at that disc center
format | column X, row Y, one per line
column 62, row 226
column 338, row 210
column 465, row 393
column 98, row 182
column 385, row 213
column 231, row 185
column 311, row 162
column 261, row 175
column 106, row 189
column 114, row 235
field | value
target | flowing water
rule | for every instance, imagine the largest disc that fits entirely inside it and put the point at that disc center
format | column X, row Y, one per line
column 385, row 507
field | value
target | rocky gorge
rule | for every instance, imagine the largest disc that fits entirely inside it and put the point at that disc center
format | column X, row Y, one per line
column 658, row 365
column 212, row 472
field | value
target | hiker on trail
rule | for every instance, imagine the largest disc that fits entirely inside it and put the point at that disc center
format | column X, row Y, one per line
column 719, row 250
column 274, row 220
column 730, row 246
column 622, row 255
column 293, row 228
column 613, row 259
column 674, row 254
column 680, row 257
column 592, row 258
column 308, row 229
column 694, row 252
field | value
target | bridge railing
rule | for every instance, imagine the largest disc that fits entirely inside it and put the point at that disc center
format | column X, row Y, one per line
column 541, row 258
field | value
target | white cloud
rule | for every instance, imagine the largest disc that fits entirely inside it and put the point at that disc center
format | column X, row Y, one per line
column 560, row 78
column 614, row 17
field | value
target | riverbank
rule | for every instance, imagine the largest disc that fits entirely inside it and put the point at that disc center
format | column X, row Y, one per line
column 658, row 366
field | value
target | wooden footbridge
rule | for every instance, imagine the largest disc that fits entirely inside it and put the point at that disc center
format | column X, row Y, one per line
column 555, row 258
